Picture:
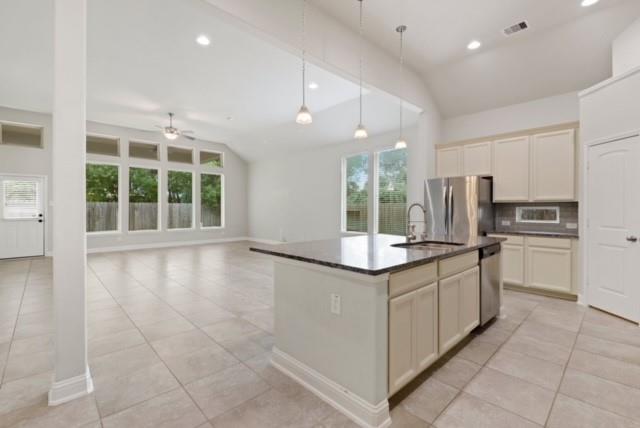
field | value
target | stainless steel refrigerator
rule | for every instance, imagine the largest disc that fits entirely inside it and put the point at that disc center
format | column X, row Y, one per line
column 458, row 208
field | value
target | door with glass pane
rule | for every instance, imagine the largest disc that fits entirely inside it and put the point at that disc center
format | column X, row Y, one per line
column 22, row 217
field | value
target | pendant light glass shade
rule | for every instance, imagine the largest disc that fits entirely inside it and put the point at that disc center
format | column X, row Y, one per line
column 401, row 143
column 361, row 131
column 304, row 115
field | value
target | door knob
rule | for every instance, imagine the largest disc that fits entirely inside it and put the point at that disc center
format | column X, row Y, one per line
column 632, row 238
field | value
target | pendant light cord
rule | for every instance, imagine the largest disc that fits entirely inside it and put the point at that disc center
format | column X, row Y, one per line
column 304, row 52
column 361, row 43
column 401, row 80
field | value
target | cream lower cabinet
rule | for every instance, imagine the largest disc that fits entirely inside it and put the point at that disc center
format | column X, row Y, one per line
column 413, row 334
column 459, row 297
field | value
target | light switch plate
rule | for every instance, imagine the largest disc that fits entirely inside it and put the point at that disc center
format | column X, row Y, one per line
column 506, row 223
column 572, row 225
column 336, row 304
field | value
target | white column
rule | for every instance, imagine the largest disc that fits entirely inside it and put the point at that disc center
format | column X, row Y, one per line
column 72, row 378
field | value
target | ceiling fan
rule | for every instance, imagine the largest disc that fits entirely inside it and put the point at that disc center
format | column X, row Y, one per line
column 171, row 133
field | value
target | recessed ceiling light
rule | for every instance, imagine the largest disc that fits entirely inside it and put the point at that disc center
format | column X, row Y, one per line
column 587, row 3
column 313, row 86
column 229, row 117
column 473, row 45
column 203, row 40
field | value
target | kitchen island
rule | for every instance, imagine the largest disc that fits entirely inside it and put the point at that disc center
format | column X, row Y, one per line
column 357, row 318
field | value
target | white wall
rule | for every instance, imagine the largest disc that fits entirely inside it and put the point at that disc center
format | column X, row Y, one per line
column 534, row 114
column 297, row 197
column 38, row 162
column 626, row 49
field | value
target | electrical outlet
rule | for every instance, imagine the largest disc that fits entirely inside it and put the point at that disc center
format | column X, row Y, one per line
column 506, row 223
column 336, row 304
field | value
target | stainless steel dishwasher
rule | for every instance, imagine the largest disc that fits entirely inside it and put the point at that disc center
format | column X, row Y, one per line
column 489, row 283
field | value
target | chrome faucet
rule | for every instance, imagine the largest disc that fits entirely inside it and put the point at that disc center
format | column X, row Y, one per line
column 411, row 228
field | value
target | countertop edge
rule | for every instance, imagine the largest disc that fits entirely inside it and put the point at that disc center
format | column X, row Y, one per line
column 538, row 234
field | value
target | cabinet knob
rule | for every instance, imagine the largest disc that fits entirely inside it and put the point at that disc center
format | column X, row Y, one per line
column 632, row 238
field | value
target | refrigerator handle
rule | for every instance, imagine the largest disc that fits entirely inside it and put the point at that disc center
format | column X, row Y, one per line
column 445, row 195
column 450, row 213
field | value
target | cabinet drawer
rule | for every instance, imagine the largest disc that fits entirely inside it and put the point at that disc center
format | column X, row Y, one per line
column 549, row 242
column 411, row 279
column 511, row 239
column 457, row 264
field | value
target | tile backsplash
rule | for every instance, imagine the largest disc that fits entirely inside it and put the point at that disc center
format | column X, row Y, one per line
column 505, row 218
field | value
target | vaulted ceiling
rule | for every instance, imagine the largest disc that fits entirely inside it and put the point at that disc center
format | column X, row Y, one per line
column 567, row 48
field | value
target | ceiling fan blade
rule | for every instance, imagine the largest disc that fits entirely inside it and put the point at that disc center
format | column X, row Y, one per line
column 189, row 137
column 187, row 132
column 158, row 126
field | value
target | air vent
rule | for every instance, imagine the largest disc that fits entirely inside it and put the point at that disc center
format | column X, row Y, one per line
column 521, row 26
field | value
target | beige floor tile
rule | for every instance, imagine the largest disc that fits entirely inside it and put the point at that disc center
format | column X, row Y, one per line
column 565, row 319
column 595, row 316
column 202, row 319
column 546, row 333
column 429, row 399
column 607, row 368
column 114, row 342
column 275, row 410
column 231, row 329
column 400, row 418
column 274, row 377
column 516, row 395
column 182, row 343
column 542, row 350
column 534, row 370
column 619, row 351
column 123, row 362
column 201, row 363
column 570, row 413
column 614, row 397
column 336, row 420
column 468, row 411
column 629, row 335
column 116, row 393
column 19, row 366
column 165, row 329
column 172, row 409
column 24, row 392
column 222, row 391
column 77, row 413
column 477, row 351
column 32, row 345
column 250, row 346
column 108, row 327
column 457, row 372
column 494, row 335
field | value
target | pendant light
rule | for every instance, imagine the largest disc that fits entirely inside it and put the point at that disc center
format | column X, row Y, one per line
column 401, row 143
column 304, row 115
column 361, row 131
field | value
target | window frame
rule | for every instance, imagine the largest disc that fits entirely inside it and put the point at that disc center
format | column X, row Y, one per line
column 211, row 168
column 160, row 211
column 193, row 199
column 343, row 196
column 118, row 231
column 148, row 142
column 102, row 155
column 222, row 200
column 173, row 146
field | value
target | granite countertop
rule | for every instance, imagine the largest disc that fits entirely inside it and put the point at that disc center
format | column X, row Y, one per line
column 368, row 254
column 571, row 235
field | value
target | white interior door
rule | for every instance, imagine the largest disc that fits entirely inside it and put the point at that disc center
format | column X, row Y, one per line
column 21, row 216
column 614, row 226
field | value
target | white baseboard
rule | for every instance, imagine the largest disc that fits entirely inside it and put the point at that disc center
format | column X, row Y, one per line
column 69, row 389
column 171, row 244
column 351, row 405
column 265, row 241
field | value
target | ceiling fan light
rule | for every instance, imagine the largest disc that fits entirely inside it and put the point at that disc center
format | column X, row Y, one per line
column 171, row 134
column 361, row 132
column 401, row 144
column 304, row 116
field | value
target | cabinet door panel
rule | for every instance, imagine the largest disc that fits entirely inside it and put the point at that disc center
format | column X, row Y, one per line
column 449, row 331
column 513, row 264
column 470, row 300
column 448, row 162
column 476, row 159
column 426, row 302
column 402, row 363
column 549, row 268
column 553, row 166
column 511, row 169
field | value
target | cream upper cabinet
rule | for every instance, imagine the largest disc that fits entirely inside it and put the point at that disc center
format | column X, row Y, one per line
column 449, row 162
column 477, row 159
column 459, row 307
column 511, row 169
column 549, row 264
column 553, row 166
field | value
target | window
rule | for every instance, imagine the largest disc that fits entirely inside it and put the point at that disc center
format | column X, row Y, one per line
column 392, row 192
column 142, row 150
column 356, row 193
column 211, row 211
column 21, row 199
column 98, row 145
column 21, row 135
column 212, row 159
column 180, row 187
column 179, row 155
column 102, row 198
column 538, row 215
column 143, row 199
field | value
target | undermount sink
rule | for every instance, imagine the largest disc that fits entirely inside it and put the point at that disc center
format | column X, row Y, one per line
column 429, row 245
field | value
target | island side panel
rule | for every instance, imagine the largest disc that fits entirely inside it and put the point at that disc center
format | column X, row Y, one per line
column 349, row 348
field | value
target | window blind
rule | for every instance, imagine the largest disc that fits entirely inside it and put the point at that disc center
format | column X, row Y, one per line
column 392, row 192
column 21, row 199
